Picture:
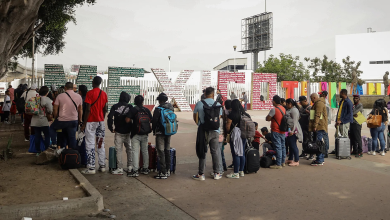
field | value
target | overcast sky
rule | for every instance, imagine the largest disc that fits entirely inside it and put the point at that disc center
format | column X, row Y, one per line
column 200, row 34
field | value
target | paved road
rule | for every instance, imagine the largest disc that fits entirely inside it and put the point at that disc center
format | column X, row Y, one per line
column 345, row 189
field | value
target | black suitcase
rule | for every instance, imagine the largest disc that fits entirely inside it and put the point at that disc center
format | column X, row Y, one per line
column 70, row 159
column 266, row 161
column 252, row 160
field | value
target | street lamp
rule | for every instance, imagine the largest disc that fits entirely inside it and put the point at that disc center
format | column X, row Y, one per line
column 234, row 63
column 169, row 58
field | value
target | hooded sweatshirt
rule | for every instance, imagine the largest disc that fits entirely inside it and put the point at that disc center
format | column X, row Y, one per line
column 119, row 112
column 157, row 127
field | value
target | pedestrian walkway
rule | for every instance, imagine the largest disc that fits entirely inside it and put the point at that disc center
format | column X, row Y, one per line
column 12, row 127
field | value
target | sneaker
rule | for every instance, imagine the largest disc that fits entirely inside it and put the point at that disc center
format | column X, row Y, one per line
column 26, row 140
column 133, row 173
column 294, row 164
column 161, row 176
column 383, row 153
column 212, row 174
column 168, row 173
column 145, row 171
column 129, row 168
column 118, row 171
column 326, row 156
column 198, row 177
column 333, row 152
column 102, row 168
column 283, row 164
column 230, row 167
column 53, row 146
column 289, row 161
column 311, row 157
column 275, row 167
column 7, row 122
column 88, row 171
column 242, row 174
column 373, row 153
column 316, row 163
column 369, row 153
column 303, row 155
column 217, row 176
column 359, row 155
column 233, row 176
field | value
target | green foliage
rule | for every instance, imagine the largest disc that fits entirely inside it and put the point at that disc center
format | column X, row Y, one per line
column 287, row 67
column 54, row 15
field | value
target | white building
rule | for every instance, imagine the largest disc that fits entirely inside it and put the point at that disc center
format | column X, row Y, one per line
column 372, row 49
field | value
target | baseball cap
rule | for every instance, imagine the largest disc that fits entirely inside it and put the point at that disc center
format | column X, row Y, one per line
column 302, row 98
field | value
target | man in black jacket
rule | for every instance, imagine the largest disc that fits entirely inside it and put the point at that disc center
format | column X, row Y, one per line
column 162, row 141
column 219, row 97
column 304, row 112
column 121, row 130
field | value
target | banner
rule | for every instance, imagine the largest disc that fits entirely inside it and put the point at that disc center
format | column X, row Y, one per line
column 324, row 86
column 86, row 75
column 54, row 75
column 259, row 79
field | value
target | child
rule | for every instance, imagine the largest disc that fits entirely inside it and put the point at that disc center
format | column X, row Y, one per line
column 6, row 107
column 268, row 143
column 13, row 112
column 256, row 141
column 1, row 111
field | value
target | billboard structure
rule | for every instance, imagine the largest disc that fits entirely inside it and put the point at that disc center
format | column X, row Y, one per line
column 257, row 35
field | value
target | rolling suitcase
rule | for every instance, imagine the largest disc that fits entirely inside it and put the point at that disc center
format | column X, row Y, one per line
column 364, row 144
column 343, row 147
column 152, row 152
column 173, row 161
column 252, row 159
column 112, row 162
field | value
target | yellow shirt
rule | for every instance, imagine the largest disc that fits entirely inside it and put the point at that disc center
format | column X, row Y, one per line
column 339, row 113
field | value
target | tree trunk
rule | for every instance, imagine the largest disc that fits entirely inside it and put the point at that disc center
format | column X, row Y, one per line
column 18, row 19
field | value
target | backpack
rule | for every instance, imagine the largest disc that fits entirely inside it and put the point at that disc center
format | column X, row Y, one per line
column 70, row 159
column 247, row 127
column 283, row 126
column 211, row 116
column 142, row 121
column 168, row 121
column 21, row 103
column 33, row 106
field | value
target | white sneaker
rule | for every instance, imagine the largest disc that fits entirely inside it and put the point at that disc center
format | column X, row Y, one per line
column 217, row 176
column 383, row 153
column 129, row 168
column 369, row 153
column 88, row 171
column 241, row 173
column 102, row 168
column 26, row 140
column 373, row 153
column 118, row 171
column 233, row 176
column 212, row 174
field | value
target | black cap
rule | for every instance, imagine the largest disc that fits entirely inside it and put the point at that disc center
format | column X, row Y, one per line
column 162, row 95
column 302, row 98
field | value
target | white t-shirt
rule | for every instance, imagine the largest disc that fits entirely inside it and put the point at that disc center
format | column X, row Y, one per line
column 7, row 106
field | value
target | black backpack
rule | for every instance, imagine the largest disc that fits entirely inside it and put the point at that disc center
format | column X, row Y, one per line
column 211, row 116
column 21, row 103
column 283, row 126
column 70, row 159
column 142, row 121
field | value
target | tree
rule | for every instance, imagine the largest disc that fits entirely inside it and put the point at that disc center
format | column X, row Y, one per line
column 287, row 67
column 20, row 19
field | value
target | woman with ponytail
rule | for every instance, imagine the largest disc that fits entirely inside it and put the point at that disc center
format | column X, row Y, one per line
column 294, row 133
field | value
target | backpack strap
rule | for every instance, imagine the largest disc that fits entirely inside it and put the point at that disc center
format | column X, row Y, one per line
column 96, row 99
column 72, row 100
column 275, row 113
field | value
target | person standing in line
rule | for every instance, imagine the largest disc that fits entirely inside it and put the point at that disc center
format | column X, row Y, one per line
column 11, row 93
column 324, row 94
column 304, row 113
column 356, row 128
column 83, row 90
column 121, row 130
column 319, row 125
column 379, row 109
column 203, row 96
column 6, row 107
column 219, row 97
column 67, row 111
column 93, row 126
column 295, row 132
column 245, row 100
column 278, row 137
column 40, row 122
column 211, row 135
column 28, row 94
column 233, row 96
column 163, row 142
column 141, row 118
column 344, row 115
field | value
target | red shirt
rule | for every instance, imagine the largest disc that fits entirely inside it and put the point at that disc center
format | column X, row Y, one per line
column 277, row 118
column 96, row 114
column 257, row 137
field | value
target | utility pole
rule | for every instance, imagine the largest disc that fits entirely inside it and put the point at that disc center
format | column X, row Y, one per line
column 33, row 57
column 169, row 58
column 265, row 51
column 234, row 64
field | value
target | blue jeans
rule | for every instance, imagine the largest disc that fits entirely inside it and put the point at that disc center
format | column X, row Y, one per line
column 378, row 133
column 238, row 161
column 68, row 134
column 294, row 152
column 321, row 135
column 53, row 136
column 279, row 141
column 326, row 140
column 223, row 156
column 38, row 137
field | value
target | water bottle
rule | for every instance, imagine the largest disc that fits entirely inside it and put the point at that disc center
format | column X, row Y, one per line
column 289, row 130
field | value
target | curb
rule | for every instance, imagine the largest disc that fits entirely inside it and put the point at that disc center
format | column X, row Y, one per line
column 58, row 209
